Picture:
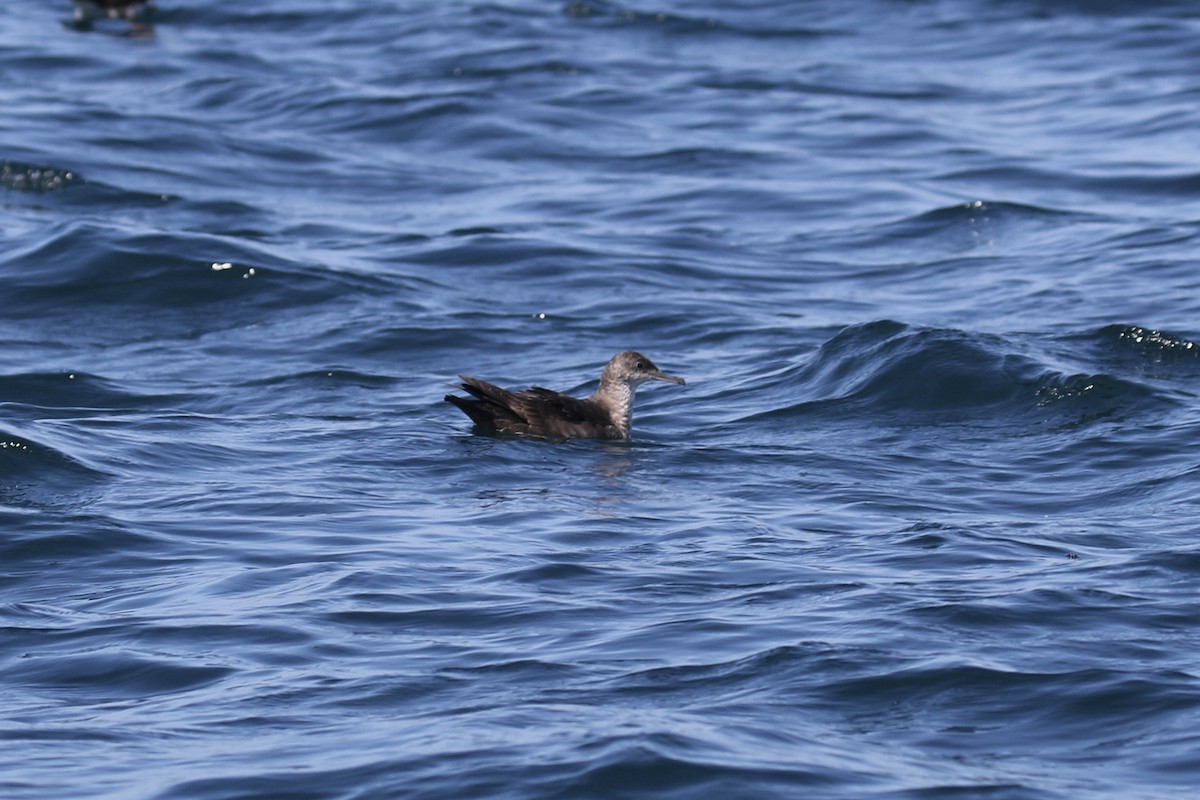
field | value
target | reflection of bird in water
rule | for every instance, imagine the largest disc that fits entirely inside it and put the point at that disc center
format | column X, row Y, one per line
column 88, row 10
column 607, row 414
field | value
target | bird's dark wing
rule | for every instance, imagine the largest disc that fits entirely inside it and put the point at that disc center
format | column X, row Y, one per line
column 534, row 412
column 551, row 413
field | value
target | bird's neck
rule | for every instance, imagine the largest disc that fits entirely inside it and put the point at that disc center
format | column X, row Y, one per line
column 617, row 398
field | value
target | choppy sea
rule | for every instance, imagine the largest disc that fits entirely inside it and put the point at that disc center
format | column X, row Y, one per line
column 923, row 523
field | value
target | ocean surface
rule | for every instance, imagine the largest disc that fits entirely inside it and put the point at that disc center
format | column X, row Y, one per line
column 923, row 523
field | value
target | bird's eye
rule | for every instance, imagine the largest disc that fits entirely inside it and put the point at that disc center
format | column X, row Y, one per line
column 643, row 365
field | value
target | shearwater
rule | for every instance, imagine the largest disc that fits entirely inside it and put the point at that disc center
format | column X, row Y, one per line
column 607, row 414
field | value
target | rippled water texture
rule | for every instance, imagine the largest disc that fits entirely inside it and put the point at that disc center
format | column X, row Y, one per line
column 921, row 524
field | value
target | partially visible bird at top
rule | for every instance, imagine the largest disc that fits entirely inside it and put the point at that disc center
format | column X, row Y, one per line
column 88, row 10
column 607, row 414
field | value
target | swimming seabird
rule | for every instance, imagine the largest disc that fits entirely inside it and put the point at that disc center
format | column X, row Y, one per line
column 607, row 414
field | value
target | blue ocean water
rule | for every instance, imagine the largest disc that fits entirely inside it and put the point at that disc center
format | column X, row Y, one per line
column 921, row 524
